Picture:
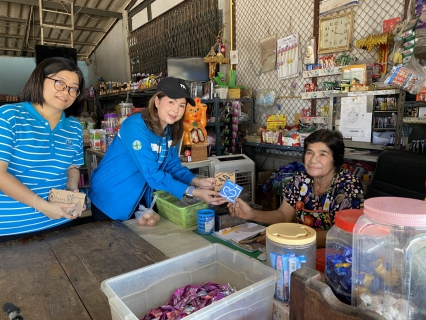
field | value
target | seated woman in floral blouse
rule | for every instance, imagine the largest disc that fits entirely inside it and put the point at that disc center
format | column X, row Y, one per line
column 313, row 197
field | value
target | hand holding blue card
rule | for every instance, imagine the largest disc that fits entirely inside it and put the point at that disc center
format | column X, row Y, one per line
column 230, row 190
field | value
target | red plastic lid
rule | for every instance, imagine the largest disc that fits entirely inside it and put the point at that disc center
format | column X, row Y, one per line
column 396, row 211
column 346, row 219
column 137, row 109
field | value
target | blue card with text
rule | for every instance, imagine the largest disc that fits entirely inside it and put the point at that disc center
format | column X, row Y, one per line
column 230, row 190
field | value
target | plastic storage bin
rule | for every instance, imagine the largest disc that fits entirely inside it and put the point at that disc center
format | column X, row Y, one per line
column 289, row 246
column 339, row 245
column 173, row 209
column 133, row 294
column 389, row 258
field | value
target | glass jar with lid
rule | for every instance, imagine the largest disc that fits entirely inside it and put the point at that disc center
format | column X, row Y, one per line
column 338, row 252
column 111, row 119
column 389, row 258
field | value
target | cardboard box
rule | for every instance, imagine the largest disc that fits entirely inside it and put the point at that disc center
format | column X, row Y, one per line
column 65, row 196
column 198, row 152
column 234, row 93
column 280, row 310
column 221, row 177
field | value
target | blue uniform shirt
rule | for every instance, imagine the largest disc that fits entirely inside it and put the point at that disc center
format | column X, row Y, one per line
column 37, row 156
column 130, row 169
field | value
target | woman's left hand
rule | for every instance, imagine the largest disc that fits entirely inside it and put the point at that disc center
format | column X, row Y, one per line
column 209, row 196
column 205, row 183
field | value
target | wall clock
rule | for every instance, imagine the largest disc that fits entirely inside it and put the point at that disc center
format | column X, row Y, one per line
column 335, row 33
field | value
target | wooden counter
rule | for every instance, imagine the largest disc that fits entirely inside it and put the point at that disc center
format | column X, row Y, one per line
column 58, row 275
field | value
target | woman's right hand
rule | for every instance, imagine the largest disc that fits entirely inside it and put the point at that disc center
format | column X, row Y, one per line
column 57, row 210
column 241, row 209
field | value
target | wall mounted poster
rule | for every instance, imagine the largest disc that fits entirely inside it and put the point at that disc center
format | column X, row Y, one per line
column 288, row 56
column 268, row 53
column 355, row 121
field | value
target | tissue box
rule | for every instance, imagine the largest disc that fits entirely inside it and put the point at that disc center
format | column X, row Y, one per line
column 64, row 196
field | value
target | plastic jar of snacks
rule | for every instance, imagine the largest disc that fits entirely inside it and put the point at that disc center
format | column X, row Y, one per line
column 289, row 246
column 338, row 252
column 112, row 122
column 389, row 258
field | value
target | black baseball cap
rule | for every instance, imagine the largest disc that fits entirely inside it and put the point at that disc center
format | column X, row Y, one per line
column 175, row 88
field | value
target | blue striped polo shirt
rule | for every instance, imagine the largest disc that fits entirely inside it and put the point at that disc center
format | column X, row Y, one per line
column 37, row 156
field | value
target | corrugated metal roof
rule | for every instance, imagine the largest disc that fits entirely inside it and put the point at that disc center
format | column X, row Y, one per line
column 21, row 31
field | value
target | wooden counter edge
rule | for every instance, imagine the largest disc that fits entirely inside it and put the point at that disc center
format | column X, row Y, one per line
column 313, row 299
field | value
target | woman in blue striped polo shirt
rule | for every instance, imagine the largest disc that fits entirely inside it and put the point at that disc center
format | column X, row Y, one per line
column 41, row 148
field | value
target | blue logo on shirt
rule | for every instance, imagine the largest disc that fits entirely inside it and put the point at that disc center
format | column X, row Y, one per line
column 69, row 143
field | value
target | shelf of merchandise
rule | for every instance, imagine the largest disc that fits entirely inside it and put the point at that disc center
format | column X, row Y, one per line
column 251, row 151
column 399, row 111
column 132, row 94
column 247, row 107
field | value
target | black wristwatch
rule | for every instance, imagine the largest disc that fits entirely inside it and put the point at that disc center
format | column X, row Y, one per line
column 189, row 194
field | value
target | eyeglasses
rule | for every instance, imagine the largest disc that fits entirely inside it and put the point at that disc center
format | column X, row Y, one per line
column 61, row 86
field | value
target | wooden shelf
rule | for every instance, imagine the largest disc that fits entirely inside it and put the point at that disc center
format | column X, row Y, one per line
column 362, row 145
column 411, row 104
column 318, row 94
column 132, row 94
column 383, row 129
column 273, row 146
column 364, row 93
column 322, row 72
column 289, row 97
column 420, row 120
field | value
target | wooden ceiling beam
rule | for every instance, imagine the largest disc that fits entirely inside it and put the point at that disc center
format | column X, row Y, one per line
column 85, row 10
column 18, row 36
column 23, row 21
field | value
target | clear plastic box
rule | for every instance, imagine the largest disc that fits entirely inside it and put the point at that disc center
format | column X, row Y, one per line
column 133, row 294
column 389, row 258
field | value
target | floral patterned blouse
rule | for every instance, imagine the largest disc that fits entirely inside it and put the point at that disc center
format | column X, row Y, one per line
column 345, row 192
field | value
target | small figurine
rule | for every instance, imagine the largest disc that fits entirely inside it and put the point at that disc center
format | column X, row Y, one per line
column 219, row 45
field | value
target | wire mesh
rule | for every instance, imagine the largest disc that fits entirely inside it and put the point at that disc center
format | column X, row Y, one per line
column 187, row 30
column 254, row 22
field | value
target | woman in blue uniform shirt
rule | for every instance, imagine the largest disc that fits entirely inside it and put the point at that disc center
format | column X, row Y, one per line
column 41, row 147
column 143, row 157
